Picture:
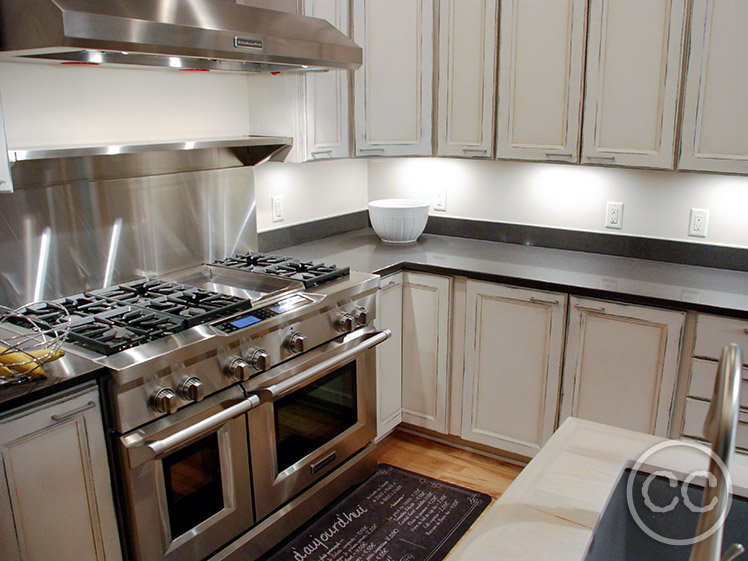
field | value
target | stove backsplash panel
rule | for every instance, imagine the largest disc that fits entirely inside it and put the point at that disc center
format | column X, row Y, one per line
column 63, row 239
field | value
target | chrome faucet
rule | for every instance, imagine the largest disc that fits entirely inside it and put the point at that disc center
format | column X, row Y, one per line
column 720, row 427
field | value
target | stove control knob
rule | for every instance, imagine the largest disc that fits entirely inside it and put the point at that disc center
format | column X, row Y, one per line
column 259, row 359
column 238, row 370
column 297, row 343
column 164, row 401
column 192, row 389
column 361, row 315
column 345, row 323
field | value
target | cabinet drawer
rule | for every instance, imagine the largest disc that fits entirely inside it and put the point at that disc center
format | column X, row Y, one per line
column 713, row 333
column 703, row 373
column 693, row 423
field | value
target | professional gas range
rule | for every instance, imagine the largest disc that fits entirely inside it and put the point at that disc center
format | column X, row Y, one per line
column 234, row 388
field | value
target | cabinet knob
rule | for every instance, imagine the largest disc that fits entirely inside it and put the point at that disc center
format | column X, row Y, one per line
column 259, row 359
column 297, row 343
column 238, row 370
column 192, row 389
column 164, row 401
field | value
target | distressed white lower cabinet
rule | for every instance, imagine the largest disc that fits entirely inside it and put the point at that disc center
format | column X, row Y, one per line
column 621, row 364
column 632, row 84
column 389, row 354
column 715, row 115
column 467, row 77
column 541, row 68
column 393, row 87
column 514, row 341
column 55, row 490
column 425, row 350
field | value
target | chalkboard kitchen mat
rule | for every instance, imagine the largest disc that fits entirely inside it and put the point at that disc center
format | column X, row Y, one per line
column 395, row 515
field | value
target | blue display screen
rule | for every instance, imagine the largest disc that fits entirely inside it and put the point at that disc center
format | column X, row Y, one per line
column 245, row 321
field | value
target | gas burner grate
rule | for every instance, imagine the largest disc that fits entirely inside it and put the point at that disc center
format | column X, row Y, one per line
column 310, row 273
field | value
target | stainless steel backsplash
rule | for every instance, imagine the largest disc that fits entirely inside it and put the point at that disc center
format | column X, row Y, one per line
column 63, row 239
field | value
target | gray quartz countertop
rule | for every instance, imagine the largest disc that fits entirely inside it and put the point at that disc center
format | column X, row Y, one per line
column 586, row 274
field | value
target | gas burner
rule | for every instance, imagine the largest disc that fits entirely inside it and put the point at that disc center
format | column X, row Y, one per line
column 311, row 274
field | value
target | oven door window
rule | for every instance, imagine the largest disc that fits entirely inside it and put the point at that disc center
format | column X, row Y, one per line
column 310, row 417
column 194, row 491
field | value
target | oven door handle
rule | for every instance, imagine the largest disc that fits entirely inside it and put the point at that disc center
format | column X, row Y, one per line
column 146, row 451
column 318, row 370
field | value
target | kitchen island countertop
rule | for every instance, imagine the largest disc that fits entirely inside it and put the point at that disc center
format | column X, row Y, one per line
column 686, row 287
column 550, row 510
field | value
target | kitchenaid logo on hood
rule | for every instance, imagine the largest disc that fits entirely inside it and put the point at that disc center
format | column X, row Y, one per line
column 247, row 43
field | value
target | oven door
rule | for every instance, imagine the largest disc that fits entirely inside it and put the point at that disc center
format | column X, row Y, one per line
column 186, row 480
column 320, row 410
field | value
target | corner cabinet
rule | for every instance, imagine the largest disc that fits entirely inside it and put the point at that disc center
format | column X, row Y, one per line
column 541, row 69
column 634, row 61
column 467, row 77
column 393, row 88
column 621, row 364
column 55, row 490
column 715, row 114
column 390, row 354
column 514, row 342
column 425, row 350
column 324, row 125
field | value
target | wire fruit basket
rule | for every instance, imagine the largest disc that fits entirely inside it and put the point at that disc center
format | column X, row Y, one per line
column 24, row 351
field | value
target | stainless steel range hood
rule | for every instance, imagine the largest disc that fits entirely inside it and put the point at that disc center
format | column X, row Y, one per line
column 180, row 34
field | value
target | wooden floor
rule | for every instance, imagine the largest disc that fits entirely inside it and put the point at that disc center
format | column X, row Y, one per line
column 433, row 459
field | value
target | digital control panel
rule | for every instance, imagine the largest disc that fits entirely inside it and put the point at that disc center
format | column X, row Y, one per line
column 255, row 316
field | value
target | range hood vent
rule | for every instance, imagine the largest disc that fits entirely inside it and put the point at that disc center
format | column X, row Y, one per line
column 61, row 166
column 178, row 34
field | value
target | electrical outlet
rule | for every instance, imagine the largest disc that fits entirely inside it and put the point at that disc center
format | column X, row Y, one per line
column 698, row 222
column 440, row 200
column 614, row 216
column 276, row 202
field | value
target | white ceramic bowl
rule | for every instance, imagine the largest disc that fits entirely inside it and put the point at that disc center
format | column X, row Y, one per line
column 398, row 220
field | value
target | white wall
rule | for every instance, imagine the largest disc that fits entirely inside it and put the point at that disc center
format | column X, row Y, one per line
column 59, row 105
column 657, row 204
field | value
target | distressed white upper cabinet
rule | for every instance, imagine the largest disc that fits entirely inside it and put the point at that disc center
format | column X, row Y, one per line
column 467, row 77
column 393, row 87
column 541, row 62
column 55, row 491
column 634, row 59
column 6, row 180
column 425, row 350
column 621, row 364
column 514, row 341
column 715, row 114
column 325, row 119
column 389, row 354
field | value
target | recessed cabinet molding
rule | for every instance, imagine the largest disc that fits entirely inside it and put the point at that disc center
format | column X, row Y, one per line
column 394, row 86
column 514, row 341
column 621, row 364
column 541, row 69
column 55, row 489
column 633, row 76
column 425, row 350
column 390, row 354
column 467, row 77
column 325, row 117
column 715, row 114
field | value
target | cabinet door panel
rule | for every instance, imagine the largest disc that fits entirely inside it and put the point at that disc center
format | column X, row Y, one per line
column 389, row 354
column 326, row 94
column 425, row 350
column 514, row 344
column 393, row 87
column 634, row 58
column 715, row 114
column 621, row 365
column 467, row 62
column 541, row 60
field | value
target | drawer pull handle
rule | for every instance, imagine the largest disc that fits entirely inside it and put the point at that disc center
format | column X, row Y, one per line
column 558, row 155
column 323, row 463
column 539, row 301
column 474, row 151
column 322, row 153
column 589, row 309
column 602, row 158
column 74, row 412
column 371, row 150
